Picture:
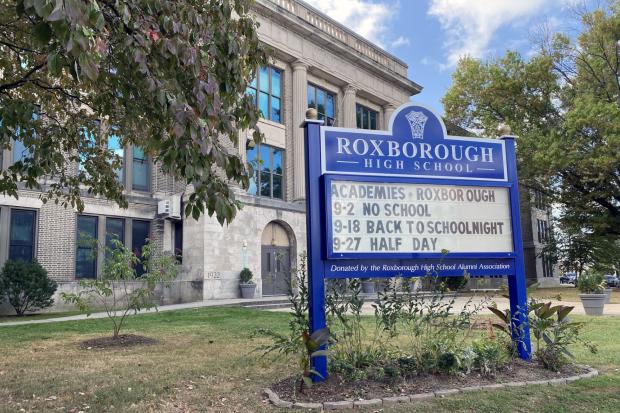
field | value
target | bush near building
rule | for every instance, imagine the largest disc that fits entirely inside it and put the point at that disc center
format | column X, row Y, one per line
column 27, row 286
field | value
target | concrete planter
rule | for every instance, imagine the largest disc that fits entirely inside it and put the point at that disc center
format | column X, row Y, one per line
column 247, row 290
column 607, row 295
column 368, row 287
column 593, row 303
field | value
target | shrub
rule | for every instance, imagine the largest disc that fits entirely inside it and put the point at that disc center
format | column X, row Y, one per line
column 454, row 283
column 298, row 341
column 27, row 286
column 435, row 337
column 119, row 289
column 552, row 330
column 490, row 355
column 591, row 283
column 245, row 276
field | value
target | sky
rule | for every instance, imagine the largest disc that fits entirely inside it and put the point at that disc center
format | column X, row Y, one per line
column 431, row 35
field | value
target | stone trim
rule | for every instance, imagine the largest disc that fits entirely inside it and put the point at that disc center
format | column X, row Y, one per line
column 390, row 401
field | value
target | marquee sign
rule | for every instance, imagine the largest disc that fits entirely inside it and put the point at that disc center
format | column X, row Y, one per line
column 409, row 201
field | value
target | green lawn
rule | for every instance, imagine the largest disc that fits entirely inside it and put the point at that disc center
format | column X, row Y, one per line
column 204, row 362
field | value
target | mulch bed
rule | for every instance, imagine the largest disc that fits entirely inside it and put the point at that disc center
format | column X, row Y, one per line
column 122, row 341
column 335, row 388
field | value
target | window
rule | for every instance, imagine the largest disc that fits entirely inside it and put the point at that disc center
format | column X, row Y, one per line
column 178, row 241
column 267, row 89
column 114, row 146
column 366, row 118
column 323, row 102
column 139, row 235
column 21, row 235
column 543, row 230
column 140, row 180
column 547, row 265
column 20, row 152
column 266, row 162
column 19, row 149
column 539, row 200
column 89, row 143
column 86, row 252
column 114, row 230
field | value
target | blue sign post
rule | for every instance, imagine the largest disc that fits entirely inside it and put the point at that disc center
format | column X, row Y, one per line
column 409, row 201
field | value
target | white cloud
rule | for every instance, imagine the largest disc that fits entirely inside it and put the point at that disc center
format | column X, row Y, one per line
column 469, row 25
column 401, row 41
column 365, row 17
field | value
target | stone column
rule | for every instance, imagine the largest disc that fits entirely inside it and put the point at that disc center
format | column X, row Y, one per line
column 388, row 110
column 348, row 107
column 300, row 104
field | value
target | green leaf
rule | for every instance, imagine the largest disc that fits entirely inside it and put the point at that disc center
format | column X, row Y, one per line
column 563, row 311
column 500, row 314
column 54, row 63
column 42, row 33
column 320, row 336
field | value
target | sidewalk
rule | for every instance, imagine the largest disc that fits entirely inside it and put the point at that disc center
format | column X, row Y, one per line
column 610, row 309
column 171, row 307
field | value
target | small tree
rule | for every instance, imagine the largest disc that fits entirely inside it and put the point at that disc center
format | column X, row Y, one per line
column 27, row 286
column 119, row 289
column 245, row 276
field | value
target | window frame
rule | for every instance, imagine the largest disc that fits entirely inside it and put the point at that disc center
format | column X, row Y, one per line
column 365, row 109
column 329, row 121
column 35, row 230
column 258, row 171
column 11, row 152
column 270, row 95
column 77, row 247
column 139, row 267
column 149, row 177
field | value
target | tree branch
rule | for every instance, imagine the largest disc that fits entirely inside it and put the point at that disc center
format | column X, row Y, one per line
column 24, row 79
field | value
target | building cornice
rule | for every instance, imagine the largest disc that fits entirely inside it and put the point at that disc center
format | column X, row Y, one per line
column 308, row 22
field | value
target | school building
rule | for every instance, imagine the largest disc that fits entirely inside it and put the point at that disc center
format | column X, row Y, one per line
column 317, row 63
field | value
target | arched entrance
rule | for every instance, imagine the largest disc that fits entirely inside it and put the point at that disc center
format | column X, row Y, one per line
column 275, row 259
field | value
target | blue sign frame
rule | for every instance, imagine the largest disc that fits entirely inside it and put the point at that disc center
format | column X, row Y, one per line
column 416, row 149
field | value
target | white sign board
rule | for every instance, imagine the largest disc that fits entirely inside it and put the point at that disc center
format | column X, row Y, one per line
column 376, row 217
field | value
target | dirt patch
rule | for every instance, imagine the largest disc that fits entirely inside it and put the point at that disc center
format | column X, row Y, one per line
column 335, row 388
column 122, row 341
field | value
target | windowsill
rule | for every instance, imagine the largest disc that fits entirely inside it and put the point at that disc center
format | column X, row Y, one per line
column 263, row 201
column 272, row 123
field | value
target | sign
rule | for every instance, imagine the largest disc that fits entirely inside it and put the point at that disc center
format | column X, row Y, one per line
column 400, row 219
column 417, row 147
column 411, row 201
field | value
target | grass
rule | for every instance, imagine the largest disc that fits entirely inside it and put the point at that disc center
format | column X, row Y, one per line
column 569, row 294
column 204, row 362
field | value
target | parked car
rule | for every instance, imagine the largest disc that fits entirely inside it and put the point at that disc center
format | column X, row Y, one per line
column 611, row 281
column 568, row 278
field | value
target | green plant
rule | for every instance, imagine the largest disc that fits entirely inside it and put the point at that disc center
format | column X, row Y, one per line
column 552, row 330
column 490, row 355
column 554, row 333
column 454, row 283
column 297, row 341
column 434, row 335
column 119, row 289
column 80, row 66
column 352, row 354
column 591, row 283
column 27, row 286
column 245, row 276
